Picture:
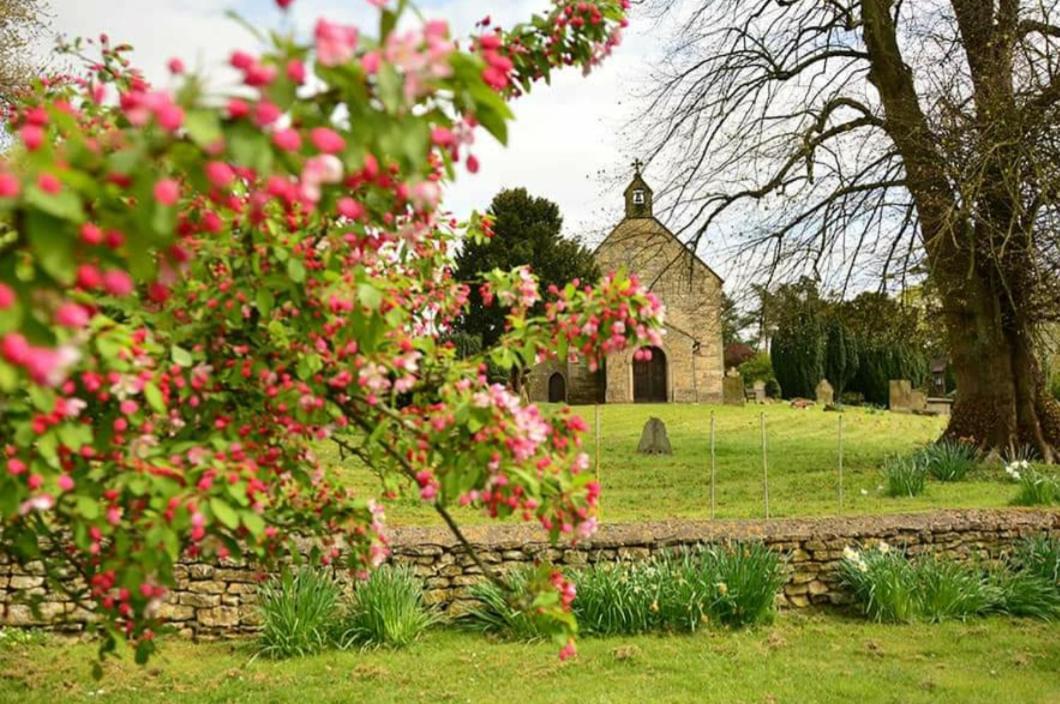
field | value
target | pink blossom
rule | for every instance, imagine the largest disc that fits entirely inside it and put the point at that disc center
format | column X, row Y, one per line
column 7, row 296
column 49, row 183
column 288, row 140
column 43, row 502
column 15, row 466
column 176, row 66
column 170, row 117
column 319, row 170
column 327, row 140
column 72, row 315
column 350, row 208
column 66, row 482
column 220, row 174
column 336, row 44
column 167, row 191
column 9, row 186
column 117, row 282
column 32, row 137
column 296, row 71
column 371, row 62
column 266, row 113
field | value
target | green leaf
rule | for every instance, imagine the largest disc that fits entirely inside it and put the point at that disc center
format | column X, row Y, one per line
column 296, row 270
column 52, row 247
column 154, row 397
column 253, row 522
column 87, row 507
column 224, row 513
column 369, row 296
column 265, row 301
column 65, row 204
column 181, row 356
column 203, row 127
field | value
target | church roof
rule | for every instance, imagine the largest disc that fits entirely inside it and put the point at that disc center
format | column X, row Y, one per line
column 640, row 217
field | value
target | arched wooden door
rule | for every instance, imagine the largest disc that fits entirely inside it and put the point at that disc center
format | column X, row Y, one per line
column 649, row 378
column 557, row 388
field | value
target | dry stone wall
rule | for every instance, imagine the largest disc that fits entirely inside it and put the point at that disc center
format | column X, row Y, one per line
column 221, row 599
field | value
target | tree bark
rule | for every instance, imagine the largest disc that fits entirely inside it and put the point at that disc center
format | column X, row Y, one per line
column 1001, row 402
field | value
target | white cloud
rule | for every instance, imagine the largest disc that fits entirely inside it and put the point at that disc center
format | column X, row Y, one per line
column 564, row 144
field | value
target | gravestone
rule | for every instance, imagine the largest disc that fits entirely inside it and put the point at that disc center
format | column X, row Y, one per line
column 732, row 390
column 653, row 439
column 760, row 391
column 825, row 393
column 904, row 398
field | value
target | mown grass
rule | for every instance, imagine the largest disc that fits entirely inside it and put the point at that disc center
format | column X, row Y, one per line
column 802, row 458
column 801, row 658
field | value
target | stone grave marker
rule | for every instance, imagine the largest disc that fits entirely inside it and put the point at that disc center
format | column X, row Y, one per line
column 760, row 391
column 733, row 393
column 653, row 439
column 904, row 398
column 825, row 393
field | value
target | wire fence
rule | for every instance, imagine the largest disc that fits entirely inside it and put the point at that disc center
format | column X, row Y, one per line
column 839, row 459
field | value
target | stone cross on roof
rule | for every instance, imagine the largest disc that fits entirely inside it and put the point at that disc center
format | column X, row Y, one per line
column 637, row 165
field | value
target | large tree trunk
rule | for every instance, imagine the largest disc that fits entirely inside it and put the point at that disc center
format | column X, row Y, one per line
column 1002, row 402
column 1001, row 398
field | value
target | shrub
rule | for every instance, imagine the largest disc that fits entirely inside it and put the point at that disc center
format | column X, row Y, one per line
column 1024, row 593
column 889, row 587
column 1035, row 488
column 904, row 476
column 622, row 599
column 882, row 583
column 948, row 460
column 502, row 613
column 950, row 590
column 387, row 610
column 748, row 578
column 734, row 586
column 760, row 368
column 1040, row 556
column 299, row 610
column 852, row 398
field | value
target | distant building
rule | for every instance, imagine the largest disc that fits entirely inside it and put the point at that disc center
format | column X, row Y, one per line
column 689, row 366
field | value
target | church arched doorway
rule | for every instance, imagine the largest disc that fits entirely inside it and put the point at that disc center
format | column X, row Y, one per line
column 557, row 388
column 649, row 377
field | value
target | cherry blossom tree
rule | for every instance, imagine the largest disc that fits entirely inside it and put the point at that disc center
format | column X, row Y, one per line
column 195, row 293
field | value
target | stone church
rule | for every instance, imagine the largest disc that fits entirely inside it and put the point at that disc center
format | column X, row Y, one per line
column 689, row 368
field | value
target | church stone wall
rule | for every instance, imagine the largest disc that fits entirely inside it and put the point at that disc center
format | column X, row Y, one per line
column 692, row 295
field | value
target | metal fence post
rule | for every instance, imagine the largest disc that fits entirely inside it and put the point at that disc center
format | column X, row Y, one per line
column 840, row 462
column 713, row 468
column 765, row 464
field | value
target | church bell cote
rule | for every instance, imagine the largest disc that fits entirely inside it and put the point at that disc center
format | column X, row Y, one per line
column 638, row 195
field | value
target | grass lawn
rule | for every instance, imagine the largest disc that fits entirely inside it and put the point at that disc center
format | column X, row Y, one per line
column 802, row 456
column 803, row 658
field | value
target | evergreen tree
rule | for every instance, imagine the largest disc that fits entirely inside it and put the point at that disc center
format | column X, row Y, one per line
column 526, row 231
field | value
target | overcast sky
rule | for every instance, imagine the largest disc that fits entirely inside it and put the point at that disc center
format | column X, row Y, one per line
column 565, row 144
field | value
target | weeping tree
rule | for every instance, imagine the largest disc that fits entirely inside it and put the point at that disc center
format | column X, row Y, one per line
column 868, row 139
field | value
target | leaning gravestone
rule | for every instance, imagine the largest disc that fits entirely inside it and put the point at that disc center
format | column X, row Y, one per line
column 732, row 391
column 906, row 399
column 653, row 439
column 825, row 393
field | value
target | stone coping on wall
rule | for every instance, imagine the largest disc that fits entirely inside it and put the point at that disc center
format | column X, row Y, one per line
column 777, row 530
column 220, row 599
